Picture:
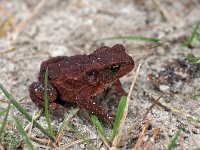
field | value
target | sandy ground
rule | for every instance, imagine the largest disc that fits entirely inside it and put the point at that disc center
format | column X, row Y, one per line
column 33, row 33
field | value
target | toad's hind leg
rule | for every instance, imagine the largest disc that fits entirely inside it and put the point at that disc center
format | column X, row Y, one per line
column 36, row 90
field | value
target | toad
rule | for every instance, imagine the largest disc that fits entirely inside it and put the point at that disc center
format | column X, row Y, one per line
column 78, row 79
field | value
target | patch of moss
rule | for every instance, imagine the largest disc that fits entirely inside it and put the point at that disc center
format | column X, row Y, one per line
column 9, row 141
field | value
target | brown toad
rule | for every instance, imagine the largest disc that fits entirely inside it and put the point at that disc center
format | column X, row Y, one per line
column 79, row 78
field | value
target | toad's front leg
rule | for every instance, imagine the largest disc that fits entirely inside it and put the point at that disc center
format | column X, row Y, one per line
column 84, row 100
column 115, row 90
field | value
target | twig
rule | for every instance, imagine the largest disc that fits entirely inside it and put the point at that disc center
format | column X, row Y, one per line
column 104, row 139
column 31, row 125
column 4, row 101
column 70, row 144
column 160, row 9
column 154, row 103
column 35, row 117
column 151, row 141
column 7, row 51
column 22, row 24
column 173, row 109
column 141, row 136
column 66, row 123
column 43, row 141
column 7, row 23
column 119, row 135
column 129, row 130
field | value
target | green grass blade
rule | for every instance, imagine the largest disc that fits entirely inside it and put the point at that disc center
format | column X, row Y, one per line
column 137, row 38
column 197, row 148
column 196, row 118
column 23, row 134
column 46, row 104
column 23, row 98
column 63, row 126
column 197, row 37
column 81, row 136
column 174, row 140
column 188, row 43
column 196, row 95
column 64, row 122
column 119, row 115
column 100, row 128
column 23, row 111
column 5, row 119
column 67, row 117
column 192, row 59
column 3, row 111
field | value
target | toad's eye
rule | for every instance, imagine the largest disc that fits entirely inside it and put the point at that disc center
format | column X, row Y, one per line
column 115, row 68
column 92, row 73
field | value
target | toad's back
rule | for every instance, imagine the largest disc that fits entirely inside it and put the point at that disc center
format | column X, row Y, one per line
column 62, row 66
column 66, row 74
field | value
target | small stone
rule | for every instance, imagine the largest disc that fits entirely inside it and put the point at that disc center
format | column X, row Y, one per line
column 163, row 88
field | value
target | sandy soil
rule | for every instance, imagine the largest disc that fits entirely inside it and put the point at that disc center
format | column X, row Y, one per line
column 31, row 33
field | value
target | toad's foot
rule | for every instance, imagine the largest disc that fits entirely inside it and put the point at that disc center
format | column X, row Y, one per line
column 36, row 90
